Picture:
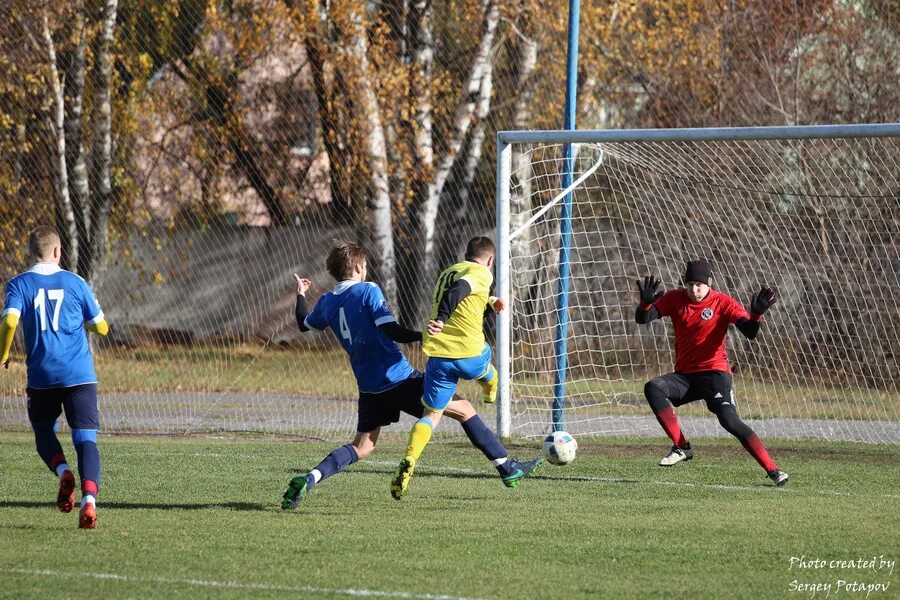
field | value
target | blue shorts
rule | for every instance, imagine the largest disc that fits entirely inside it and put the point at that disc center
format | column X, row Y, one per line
column 383, row 408
column 79, row 402
column 442, row 375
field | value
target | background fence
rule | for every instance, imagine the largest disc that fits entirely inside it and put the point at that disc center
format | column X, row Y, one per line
column 195, row 153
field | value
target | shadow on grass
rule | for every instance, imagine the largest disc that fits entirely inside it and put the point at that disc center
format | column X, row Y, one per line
column 247, row 506
column 374, row 469
column 423, row 472
column 371, row 469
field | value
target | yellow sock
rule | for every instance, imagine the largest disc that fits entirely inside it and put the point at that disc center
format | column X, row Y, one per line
column 489, row 377
column 489, row 387
column 419, row 438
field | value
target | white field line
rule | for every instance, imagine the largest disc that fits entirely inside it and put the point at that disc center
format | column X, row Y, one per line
column 713, row 486
column 234, row 585
column 175, row 454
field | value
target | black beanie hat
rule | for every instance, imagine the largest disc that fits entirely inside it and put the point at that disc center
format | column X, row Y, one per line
column 698, row 270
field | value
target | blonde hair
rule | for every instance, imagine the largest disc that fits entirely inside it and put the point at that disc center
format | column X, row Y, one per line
column 41, row 241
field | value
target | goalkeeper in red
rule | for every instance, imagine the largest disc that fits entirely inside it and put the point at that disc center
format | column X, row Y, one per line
column 701, row 316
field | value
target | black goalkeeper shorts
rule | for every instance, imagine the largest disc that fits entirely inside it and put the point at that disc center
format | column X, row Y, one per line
column 713, row 387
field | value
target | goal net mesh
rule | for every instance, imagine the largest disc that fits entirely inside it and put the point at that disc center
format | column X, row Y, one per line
column 818, row 220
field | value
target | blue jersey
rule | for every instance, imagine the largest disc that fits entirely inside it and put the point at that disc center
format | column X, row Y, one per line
column 354, row 311
column 53, row 306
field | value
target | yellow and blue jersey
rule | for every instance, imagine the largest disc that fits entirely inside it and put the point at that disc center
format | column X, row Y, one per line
column 52, row 306
column 463, row 332
column 354, row 311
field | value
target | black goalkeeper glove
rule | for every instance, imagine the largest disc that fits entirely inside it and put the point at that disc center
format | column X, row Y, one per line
column 648, row 290
column 762, row 302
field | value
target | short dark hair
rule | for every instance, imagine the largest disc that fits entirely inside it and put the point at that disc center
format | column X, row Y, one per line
column 343, row 258
column 479, row 247
column 41, row 241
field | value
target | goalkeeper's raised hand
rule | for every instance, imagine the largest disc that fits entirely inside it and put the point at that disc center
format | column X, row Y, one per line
column 762, row 302
column 648, row 289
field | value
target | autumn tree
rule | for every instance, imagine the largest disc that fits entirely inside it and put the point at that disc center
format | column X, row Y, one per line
column 67, row 52
column 192, row 107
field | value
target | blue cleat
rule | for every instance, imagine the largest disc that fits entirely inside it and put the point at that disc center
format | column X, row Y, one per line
column 521, row 470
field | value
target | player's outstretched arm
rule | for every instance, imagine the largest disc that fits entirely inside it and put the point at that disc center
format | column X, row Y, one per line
column 761, row 302
column 648, row 288
column 400, row 334
column 301, row 310
column 7, row 333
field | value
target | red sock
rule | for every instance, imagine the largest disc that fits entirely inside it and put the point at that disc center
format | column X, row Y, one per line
column 669, row 422
column 57, row 460
column 89, row 487
column 755, row 447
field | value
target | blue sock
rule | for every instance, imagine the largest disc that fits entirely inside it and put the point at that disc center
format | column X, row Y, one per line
column 337, row 461
column 485, row 440
column 85, row 441
column 47, row 444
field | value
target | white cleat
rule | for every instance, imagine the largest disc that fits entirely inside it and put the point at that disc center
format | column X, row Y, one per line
column 676, row 455
column 779, row 477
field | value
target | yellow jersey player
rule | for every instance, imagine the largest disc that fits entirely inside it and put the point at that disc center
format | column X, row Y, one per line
column 454, row 342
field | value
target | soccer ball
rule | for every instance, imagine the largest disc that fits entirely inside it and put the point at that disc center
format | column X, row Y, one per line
column 560, row 448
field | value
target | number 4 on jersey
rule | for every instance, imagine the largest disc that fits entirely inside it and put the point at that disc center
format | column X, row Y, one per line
column 345, row 329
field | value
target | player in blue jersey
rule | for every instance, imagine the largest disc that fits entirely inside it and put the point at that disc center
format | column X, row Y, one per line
column 55, row 307
column 358, row 315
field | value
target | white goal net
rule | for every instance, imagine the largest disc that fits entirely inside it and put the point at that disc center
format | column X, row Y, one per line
column 818, row 219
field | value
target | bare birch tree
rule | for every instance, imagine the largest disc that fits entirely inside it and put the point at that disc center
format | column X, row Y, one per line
column 101, row 157
column 81, row 210
column 378, row 205
column 419, row 258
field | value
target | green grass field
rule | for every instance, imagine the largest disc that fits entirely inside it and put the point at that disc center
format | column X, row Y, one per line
column 199, row 517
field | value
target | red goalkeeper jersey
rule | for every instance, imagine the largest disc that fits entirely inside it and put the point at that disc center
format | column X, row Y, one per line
column 700, row 328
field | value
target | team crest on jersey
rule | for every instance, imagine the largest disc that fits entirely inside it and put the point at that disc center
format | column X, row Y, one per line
column 706, row 314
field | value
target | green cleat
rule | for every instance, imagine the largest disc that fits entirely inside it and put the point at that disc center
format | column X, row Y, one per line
column 400, row 482
column 521, row 470
column 296, row 491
